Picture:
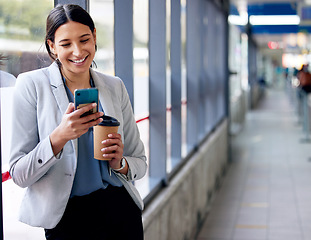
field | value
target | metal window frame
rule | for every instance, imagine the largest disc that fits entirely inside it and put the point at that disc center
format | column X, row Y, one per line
column 123, row 44
column 157, row 91
column 202, row 117
column 175, row 53
column 212, row 52
column 193, row 68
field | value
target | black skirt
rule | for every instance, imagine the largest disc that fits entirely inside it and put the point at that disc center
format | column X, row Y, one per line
column 104, row 214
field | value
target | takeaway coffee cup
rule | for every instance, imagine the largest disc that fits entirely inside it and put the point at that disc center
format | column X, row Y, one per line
column 101, row 131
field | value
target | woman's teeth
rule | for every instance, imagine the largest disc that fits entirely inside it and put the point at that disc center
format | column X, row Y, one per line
column 79, row 61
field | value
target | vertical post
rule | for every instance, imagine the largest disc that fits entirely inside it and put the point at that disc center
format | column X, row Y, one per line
column 157, row 89
column 83, row 3
column 223, row 58
column 123, row 43
column 210, row 65
column 193, row 64
column 212, row 32
column 226, row 61
column 227, row 83
column 202, row 89
column 306, row 120
column 218, row 67
column 252, row 72
column 176, row 79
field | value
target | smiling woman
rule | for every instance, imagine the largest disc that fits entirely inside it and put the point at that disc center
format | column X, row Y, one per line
column 80, row 196
column 74, row 49
column 71, row 41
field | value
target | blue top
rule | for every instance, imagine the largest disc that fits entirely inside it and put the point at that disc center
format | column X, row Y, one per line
column 91, row 174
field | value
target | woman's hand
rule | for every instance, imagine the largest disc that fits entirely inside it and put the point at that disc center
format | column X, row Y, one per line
column 73, row 126
column 113, row 149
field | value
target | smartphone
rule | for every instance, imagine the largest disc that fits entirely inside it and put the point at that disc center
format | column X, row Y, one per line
column 84, row 97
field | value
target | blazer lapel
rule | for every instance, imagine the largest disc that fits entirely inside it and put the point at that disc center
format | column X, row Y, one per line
column 58, row 88
column 60, row 94
column 104, row 95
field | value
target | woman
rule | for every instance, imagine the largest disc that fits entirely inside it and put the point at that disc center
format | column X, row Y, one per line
column 69, row 193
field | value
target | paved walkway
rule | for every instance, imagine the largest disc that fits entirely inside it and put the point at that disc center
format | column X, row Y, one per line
column 266, row 194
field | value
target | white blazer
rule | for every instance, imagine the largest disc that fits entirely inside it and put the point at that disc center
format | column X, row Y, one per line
column 39, row 103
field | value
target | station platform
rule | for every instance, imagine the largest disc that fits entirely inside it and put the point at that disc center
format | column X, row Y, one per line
column 266, row 193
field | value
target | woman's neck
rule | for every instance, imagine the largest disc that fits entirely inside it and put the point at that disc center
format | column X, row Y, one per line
column 76, row 81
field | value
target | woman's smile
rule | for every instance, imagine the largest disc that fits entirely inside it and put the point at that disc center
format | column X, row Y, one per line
column 79, row 61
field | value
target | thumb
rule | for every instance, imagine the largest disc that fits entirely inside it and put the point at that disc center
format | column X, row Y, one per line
column 70, row 108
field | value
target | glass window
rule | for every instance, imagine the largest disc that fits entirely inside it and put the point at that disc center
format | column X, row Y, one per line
column 141, row 80
column 102, row 13
column 22, row 33
column 141, row 57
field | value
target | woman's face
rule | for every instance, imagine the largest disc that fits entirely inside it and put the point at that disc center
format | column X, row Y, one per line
column 74, row 46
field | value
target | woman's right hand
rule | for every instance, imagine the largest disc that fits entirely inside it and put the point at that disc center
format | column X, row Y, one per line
column 73, row 126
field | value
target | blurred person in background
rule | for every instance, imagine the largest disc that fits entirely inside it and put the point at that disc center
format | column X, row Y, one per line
column 6, row 79
column 304, row 77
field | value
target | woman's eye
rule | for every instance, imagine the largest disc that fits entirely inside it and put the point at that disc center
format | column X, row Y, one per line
column 85, row 40
column 65, row 45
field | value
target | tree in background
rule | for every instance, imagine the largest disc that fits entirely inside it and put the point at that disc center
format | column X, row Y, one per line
column 24, row 19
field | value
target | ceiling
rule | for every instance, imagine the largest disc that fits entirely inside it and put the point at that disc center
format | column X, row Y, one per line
column 289, row 38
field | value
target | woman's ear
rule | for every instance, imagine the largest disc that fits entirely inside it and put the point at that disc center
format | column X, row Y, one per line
column 52, row 47
column 94, row 35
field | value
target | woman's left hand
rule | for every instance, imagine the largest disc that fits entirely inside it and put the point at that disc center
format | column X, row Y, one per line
column 113, row 149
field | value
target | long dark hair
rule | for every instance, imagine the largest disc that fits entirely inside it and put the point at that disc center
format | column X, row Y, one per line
column 62, row 14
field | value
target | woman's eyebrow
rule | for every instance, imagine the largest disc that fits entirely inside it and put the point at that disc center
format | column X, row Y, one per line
column 64, row 40
column 84, row 35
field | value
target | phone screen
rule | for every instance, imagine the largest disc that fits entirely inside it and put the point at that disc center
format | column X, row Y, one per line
column 84, row 97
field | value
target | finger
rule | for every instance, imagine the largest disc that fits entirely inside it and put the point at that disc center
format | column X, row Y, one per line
column 112, row 154
column 114, row 135
column 70, row 108
column 111, row 149
column 113, row 157
column 92, row 122
column 86, row 108
column 112, row 141
column 92, row 117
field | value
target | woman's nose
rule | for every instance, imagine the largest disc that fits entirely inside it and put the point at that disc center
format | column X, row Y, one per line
column 77, row 51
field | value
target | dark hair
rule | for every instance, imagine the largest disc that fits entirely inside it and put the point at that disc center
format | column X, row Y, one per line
column 62, row 14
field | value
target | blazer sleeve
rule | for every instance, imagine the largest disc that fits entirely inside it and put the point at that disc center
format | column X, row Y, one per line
column 134, row 150
column 30, row 157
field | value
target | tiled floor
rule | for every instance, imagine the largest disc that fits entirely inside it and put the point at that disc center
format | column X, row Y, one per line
column 266, row 194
